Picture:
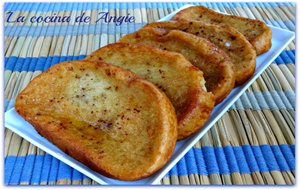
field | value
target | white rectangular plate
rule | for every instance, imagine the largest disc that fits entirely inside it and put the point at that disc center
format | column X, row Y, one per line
column 281, row 38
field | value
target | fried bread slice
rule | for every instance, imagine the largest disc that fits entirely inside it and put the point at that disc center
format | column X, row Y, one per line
column 256, row 32
column 214, row 63
column 115, row 122
column 228, row 39
column 182, row 82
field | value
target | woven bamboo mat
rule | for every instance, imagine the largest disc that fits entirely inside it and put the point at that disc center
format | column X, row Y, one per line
column 253, row 143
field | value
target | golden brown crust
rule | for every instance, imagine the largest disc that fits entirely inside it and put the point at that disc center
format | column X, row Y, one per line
column 228, row 39
column 196, row 114
column 257, row 32
column 215, row 64
column 172, row 73
column 263, row 42
column 108, row 118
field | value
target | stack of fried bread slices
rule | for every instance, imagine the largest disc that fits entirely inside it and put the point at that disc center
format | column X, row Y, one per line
column 121, row 110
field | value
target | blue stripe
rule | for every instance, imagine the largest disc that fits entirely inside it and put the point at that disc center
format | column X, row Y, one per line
column 286, row 56
column 38, row 164
column 203, row 161
column 222, row 161
column 201, row 166
column 250, row 158
column 64, row 171
column 282, row 163
column 260, row 159
column 173, row 171
column 181, row 167
column 9, row 165
column 42, row 63
column 231, row 159
column 46, row 167
column 292, row 150
column 238, row 159
column 273, row 100
column 28, row 168
column 24, row 30
column 241, row 159
column 53, row 170
column 95, row 5
column 190, row 160
column 268, row 155
column 73, row 30
column 17, row 170
column 99, row 28
column 76, row 175
column 210, row 160
column 287, row 24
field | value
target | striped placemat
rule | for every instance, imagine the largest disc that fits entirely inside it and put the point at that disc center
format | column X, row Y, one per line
column 253, row 143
